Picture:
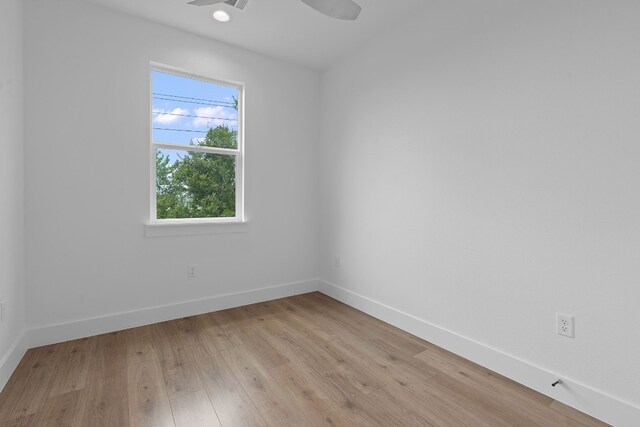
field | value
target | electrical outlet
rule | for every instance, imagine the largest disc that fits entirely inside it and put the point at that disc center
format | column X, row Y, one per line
column 565, row 325
column 336, row 261
column 3, row 311
column 191, row 271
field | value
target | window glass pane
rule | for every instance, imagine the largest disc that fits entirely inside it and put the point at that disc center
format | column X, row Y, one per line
column 195, row 185
column 185, row 111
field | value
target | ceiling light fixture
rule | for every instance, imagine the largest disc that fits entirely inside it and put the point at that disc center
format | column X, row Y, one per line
column 221, row 16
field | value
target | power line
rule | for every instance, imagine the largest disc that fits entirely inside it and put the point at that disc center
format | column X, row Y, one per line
column 190, row 100
column 193, row 102
column 195, row 117
column 195, row 99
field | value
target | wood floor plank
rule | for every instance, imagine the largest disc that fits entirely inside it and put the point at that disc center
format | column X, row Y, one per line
column 319, row 409
column 16, row 385
column 306, row 315
column 189, row 329
column 254, row 341
column 179, row 370
column 397, row 367
column 488, row 408
column 486, row 382
column 76, row 359
column 341, row 393
column 194, row 410
column 148, row 400
column 445, row 405
column 211, row 333
column 233, row 319
column 272, row 401
column 230, row 401
column 299, row 344
column 393, row 408
column 106, row 403
column 364, row 325
column 36, row 392
column 226, row 331
column 228, row 324
column 454, row 365
column 61, row 410
column 386, row 360
column 26, row 421
column 256, row 311
column 306, row 360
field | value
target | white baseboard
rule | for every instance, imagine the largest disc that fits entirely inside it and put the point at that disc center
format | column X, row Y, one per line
column 61, row 332
column 598, row 404
column 12, row 357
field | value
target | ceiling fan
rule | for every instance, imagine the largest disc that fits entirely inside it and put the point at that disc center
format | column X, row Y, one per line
column 339, row 9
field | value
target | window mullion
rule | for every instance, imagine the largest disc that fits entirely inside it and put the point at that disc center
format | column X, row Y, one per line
column 196, row 148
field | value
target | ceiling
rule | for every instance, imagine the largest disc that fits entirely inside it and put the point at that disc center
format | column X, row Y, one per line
column 285, row 29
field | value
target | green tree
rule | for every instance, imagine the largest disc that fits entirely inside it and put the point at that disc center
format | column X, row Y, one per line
column 198, row 185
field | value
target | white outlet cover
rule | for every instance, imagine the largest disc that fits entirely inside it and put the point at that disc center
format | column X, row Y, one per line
column 565, row 325
column 192, row 271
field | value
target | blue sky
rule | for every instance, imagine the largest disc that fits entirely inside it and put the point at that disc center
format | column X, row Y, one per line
column 189, row 107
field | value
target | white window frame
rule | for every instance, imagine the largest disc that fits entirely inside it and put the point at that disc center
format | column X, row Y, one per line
column 238, row 153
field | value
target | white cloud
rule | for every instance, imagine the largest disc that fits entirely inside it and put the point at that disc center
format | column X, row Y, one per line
column 214, row 116
column 169, row 117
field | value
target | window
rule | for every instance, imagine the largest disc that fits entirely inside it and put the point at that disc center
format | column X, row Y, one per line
column 196, row 149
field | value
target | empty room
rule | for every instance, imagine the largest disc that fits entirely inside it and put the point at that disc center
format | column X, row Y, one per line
column 319, row 212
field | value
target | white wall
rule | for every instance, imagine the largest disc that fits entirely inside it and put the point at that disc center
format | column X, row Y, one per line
column 12, row 290
column 480, row 171
column 87, row 174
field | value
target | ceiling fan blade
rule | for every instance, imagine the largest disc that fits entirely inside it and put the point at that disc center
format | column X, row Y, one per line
column 340, row 9
column 205, row 2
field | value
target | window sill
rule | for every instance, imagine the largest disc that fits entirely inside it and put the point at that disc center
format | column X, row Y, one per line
column 193, row 228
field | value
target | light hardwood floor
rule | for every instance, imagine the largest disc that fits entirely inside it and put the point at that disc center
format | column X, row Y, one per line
column 301, row 361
